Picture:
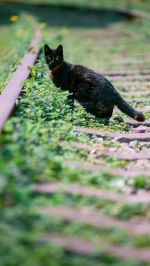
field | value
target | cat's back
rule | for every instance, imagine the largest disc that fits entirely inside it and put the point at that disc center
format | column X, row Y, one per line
column 82, row 74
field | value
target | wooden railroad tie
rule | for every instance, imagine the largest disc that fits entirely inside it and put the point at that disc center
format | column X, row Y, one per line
column 74, row 189
column 124, row 137
column 85, row 246
column 96, row 149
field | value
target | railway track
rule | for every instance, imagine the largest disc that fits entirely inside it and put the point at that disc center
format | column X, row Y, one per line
column 13, row 89
column 134, row 226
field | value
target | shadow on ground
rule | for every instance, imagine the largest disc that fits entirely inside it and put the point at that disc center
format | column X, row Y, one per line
column 63, row 16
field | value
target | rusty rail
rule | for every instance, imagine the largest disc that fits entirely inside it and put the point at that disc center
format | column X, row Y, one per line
column 11, row 92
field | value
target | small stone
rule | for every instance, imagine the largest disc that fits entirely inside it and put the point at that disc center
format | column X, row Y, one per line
column 113, row 149
column 93, row 151
column 134, row 191
column 99, row 139
column 133, row 144
column 140, row 129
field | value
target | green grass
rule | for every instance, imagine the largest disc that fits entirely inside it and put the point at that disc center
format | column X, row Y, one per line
column 14, row 42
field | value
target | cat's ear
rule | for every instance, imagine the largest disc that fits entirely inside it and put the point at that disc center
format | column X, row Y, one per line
column 47, row 49
column 59, row 50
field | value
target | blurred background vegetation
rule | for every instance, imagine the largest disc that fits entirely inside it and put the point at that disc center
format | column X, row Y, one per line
column 128, row 4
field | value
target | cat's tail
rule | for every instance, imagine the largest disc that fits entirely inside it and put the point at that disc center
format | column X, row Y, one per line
column 127, row 109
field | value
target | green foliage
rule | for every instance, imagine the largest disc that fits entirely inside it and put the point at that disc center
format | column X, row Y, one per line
column 140, row 182
column 126, row 211
column 14, row 42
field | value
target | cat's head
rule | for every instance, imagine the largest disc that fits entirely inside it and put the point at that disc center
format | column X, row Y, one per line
column 53, row 57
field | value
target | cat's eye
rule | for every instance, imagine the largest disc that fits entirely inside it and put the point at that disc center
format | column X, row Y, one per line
column 50, row 58
column 56, row 57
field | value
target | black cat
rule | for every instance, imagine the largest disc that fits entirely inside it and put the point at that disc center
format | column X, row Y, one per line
column 94, row 92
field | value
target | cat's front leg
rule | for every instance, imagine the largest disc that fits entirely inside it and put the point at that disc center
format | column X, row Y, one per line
column 70, row 101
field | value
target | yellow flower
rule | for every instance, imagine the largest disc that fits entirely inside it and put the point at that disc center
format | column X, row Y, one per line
column 42, row 25
column 14, row 18
column 64, row 31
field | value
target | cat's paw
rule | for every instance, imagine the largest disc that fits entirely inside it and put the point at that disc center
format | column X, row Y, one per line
column 118, row 118
column 139, row 117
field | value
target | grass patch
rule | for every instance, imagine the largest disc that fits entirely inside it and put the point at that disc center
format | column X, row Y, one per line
column 14, row 42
